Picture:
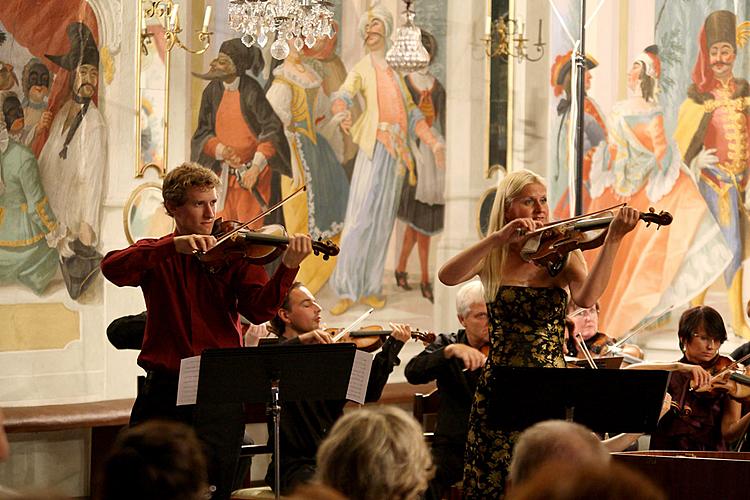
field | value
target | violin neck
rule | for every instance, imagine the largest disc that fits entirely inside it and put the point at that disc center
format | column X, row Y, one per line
column 370, row 333
column 598, row 223
column 269, row 239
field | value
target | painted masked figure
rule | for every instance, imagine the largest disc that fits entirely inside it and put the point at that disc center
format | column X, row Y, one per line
column 239, row 136
column 73, row 162
column 29, row 231
column 383, row 162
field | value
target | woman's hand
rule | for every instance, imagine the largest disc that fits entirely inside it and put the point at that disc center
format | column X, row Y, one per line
column 700, row 377
column 623, row 223
column 515, row 231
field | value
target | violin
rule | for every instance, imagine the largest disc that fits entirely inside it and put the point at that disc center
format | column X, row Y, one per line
column 550, row 245
column 259, row 246
column 371, row 338
column 728, row 377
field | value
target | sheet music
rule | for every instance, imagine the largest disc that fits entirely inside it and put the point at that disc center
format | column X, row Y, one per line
column 360, row 376
column 187, row 386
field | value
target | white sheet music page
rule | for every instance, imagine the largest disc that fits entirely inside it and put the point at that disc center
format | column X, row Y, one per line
column 360, row 376
column 187, row 387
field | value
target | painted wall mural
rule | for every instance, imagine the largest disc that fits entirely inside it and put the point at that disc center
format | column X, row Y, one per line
column 677, row 141
column 53, row 146
column 367, row 142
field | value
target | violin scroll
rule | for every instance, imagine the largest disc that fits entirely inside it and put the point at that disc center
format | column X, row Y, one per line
column 326, row 248
column 661, row 219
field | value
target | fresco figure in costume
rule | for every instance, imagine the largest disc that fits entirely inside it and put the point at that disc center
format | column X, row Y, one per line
column 327, row 63
column 640, row 165
column 383, row 160
column 297, row 98
column 594, row 133
column 239, row 136
column 35, row 82
column 73, row 162
column 713, row 135
column 422, row 206
column 29, row 231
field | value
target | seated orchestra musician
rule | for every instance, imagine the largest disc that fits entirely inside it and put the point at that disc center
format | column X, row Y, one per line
column 585, row 321
column 304, row 424
column 191, row 308
column 704, row 414
column 454, row 361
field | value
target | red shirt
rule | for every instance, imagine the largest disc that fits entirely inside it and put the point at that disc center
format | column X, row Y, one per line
column 189, row 308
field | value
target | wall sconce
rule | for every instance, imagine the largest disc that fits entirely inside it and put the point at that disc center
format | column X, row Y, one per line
column 505, row 37
column 166, row 11
column 158, row 33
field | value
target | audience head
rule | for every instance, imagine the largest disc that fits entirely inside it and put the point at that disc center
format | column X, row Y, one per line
column 472, row 313
column 554, row 440
column 374, row 453
column 299, row 313
column 156, row 460
column 701, row 332
column 562, row 480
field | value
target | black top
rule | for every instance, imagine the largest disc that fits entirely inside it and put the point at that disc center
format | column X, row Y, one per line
column 304, row 424
column 455, row 385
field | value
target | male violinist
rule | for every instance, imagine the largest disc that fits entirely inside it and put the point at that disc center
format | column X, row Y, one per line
column 454, row 360
column 191, row 309
column 304, row 424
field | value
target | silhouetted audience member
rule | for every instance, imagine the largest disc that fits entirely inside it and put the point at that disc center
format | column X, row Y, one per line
column 375, row 453
column 554, row 440
column 156, row 460
column 566, row 480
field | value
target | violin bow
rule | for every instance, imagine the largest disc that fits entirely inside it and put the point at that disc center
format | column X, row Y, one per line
column 585, row 350
column 573, row 219
column 261, row 215
column 354, row 325
column 643, row 327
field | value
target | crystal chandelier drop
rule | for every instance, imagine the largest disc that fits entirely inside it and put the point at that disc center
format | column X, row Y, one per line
column 408, row 54
column 301, row 22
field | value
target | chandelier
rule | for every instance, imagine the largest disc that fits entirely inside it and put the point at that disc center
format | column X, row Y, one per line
column 507, row 38
column 300, row 22
column 408, row 54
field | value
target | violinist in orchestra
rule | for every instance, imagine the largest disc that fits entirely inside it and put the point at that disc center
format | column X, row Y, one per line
column 699, row 419
column 585, row 321
column 191, row 309
column 526, row 306
column 304, row 424
column 454, row 361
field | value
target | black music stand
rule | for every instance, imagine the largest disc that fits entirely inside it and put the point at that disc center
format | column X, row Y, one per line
column 274, row 374
column 603, row 400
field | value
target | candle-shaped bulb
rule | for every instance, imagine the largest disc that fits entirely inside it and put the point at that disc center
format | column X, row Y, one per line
column 539, row 42
column 173, row 16
column 207, row 19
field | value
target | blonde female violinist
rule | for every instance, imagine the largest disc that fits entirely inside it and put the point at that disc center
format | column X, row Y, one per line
column 526, row 307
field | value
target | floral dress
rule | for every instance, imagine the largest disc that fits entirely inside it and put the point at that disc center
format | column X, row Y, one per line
column 527, row 329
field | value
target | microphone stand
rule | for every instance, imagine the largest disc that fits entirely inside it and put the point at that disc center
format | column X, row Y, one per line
column 580, row 61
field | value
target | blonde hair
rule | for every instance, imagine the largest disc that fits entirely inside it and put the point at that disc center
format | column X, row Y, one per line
column 375, row 453
column 509, row 188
